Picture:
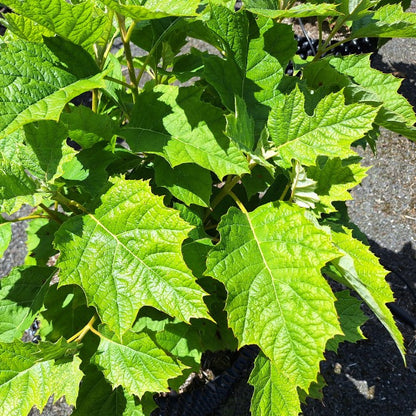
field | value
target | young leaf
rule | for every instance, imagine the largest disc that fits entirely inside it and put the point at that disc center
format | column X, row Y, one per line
column 27, row 380
column 377, row 88
column 330, row 131
column 127, row 254
column 183, row 129
column 137, row 363
column 269, row 261
column 363, row 273
column 80, row 23
column 334, row 178
column 274, row 394
column 21, row 298
column 36, row 82
column 188, row 182
column 154, row 9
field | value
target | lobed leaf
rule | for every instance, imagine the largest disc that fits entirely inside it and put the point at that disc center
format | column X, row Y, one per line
column 36, row 81
column 137, row 363
column 27, row 380
column 274, row 394
column 127, row 254
column 374, row 87
column 269, row 261
column 80, row 23
column 361, row 271
column 183, row 129
column 334, row 178
column 330, row 131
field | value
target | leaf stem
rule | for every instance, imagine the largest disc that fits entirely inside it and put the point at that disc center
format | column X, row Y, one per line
column 70, row 203
column 230, row 182
column 118, row 81
column 51, row 214
column 238, row 202
column 81, row 334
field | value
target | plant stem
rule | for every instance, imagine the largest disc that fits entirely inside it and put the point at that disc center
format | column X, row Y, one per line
column 51, row 214
column 118, row 81
column 71, row 204
column 125, row 37
column 229, row 184
column 81, row 334
column 238, row 202
column 94, row 105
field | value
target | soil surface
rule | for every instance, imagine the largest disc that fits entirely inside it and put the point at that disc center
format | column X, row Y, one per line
column 367, row 378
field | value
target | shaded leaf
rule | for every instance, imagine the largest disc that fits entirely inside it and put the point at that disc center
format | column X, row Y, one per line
column 188, row 182
column 183, row 129
column 36, row 82
column 21, row 298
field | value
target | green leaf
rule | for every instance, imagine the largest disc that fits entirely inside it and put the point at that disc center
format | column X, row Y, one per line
column 363, row 273
column 188, row 182
column 374, row 87
column 240, row 127
column 26, row 380
column 388, row 21
column 88, row 128
column 5, row 235
column 40, row 234
column 274, row 394
column 137, row 363
column 47, row 140
column 154, row 9
column 81, row 23
column 127, row 254
column 253, row 66
column 97, row 398
column 334, row 178
column 270, row 8
column 330, row 131
column 269, row 261
column 303, row 188
column 351, row 318
column 183, row 129
column 21, row 298
column 21, row 27
column 16, row 187
column 36, row 85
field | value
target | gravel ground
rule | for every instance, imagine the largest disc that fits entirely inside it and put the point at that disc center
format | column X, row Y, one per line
column 367, row 378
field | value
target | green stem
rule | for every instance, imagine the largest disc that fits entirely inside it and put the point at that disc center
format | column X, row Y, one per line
column 71, row 204
column 51, row 214
column 282, row 197
column 129, row 57
column 238, row 202
column 230, row 182
column 81, row 334
column 94, row 106
column 27, row 217
column 118, row 81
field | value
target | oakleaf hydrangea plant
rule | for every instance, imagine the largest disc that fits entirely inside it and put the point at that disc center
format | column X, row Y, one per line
column 196, row 203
